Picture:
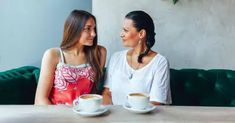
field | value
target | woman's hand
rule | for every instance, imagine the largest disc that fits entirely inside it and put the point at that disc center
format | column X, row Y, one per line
column 155, row 103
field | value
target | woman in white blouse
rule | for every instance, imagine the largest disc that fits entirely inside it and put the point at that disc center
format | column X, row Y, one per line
column 138, row 69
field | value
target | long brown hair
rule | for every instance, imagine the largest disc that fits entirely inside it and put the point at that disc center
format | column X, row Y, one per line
column 73, row 27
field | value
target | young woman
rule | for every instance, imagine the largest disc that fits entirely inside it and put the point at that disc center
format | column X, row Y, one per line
column 76, row 67
column 139, row 69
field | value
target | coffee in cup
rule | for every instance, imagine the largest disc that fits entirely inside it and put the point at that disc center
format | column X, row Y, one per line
column 88, row 102
column 138, row 100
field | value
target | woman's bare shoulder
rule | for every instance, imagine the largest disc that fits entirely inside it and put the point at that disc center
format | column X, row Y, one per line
column 102, row 49
column 52, row 54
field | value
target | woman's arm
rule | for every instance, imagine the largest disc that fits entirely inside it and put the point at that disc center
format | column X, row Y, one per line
column 49, row 61
column 160, row 90
column 107, row 98
column 107, row 95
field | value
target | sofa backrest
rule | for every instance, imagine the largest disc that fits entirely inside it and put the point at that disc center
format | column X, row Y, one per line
column 18, row 86
column 189, row 87
column 195, row 87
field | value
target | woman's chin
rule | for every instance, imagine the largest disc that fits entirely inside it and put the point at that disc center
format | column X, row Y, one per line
column 90, row 44
column 125, row 44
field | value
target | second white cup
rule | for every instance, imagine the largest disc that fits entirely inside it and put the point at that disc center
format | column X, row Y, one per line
column 138, row 100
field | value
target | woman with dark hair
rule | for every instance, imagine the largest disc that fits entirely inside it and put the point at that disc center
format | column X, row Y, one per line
column 139, row 69
column 76, row 67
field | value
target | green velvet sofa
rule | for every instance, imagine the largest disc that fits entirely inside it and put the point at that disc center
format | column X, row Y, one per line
column 18, row 86
column 195, row 87
column 189, row 87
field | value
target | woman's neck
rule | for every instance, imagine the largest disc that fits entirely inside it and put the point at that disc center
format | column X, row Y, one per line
column 76, row 50
column 140, row 48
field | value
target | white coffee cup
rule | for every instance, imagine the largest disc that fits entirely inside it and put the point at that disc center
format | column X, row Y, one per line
column 88, row 102
column 138, row 100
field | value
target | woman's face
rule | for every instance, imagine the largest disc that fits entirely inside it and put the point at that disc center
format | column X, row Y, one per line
column 88, row 33
column 129, row 34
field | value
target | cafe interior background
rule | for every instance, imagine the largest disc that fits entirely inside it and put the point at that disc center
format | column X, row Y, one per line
column 191, row 33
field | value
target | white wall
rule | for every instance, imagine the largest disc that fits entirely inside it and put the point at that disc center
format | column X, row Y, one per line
column 191, row 34
column 29, row 27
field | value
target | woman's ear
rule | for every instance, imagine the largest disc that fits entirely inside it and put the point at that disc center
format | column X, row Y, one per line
column 142, row 33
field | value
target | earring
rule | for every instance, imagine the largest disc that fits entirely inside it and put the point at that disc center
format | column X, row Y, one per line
column 140, row 41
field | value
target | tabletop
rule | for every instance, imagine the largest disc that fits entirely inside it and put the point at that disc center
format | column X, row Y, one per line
column 116, row 114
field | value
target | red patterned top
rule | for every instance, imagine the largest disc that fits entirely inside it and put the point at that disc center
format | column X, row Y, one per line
column 71, row 82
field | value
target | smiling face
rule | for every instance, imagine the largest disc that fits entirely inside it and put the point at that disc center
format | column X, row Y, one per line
column 88, row 33
column 129, row 34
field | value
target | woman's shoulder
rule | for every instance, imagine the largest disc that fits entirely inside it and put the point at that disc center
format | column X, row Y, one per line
column 119, row 54
column 52, row 54
column 117, row 57
column 161, row 59
column 102, row 49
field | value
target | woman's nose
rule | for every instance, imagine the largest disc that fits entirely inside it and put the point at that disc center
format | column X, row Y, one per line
column 93, row 34
column 121, row 35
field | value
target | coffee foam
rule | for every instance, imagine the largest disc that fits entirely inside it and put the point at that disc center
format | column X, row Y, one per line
column 89, row 97
column 137, row 94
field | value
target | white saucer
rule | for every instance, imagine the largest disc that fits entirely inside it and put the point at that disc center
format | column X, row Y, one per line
column 149, row 108
column 102, row 110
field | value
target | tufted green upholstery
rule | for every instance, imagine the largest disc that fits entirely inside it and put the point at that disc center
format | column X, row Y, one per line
column 18, row 86
column 189, row 87
column 195, row 87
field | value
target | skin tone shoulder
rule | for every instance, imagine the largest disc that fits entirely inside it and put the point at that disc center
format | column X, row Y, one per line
column 72, row 56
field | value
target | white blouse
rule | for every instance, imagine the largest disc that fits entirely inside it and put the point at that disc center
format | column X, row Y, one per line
column 153, row 79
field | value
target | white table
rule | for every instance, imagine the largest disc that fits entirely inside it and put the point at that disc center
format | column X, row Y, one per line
column 116, row 114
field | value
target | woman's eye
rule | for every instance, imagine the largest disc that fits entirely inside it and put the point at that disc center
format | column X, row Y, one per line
column 87, row 29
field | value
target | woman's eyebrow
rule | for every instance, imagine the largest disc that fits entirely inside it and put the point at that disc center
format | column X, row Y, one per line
column 89, row 25
column 125, row 28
